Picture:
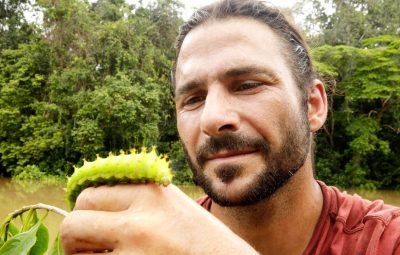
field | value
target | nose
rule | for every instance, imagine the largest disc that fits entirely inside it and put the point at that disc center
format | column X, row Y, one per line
column 219, row 114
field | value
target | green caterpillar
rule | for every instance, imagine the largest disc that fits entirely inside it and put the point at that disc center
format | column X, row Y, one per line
column 124, row 168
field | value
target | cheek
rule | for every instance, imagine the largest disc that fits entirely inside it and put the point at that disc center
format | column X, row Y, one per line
column 268, row 113
column 271, row 119
column 188, row 131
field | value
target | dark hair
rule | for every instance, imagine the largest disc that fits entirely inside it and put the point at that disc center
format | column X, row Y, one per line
column 297, row 53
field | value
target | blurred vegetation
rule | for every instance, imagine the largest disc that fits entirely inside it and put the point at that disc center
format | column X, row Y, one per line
column 348, row 22
column 91, row 78
column 356, row 49
column 94, row 77
column 359, row 144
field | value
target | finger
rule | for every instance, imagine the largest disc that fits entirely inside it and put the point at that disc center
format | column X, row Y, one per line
column 97, row 252
column 118, row 197
column 89, row 231
column 103, row 198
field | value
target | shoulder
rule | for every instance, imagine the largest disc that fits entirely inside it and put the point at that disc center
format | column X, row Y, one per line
column 370, row 225
column 353, row 210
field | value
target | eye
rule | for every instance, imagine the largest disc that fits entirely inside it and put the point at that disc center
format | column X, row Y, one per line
column 248, row 85
column 192, row 102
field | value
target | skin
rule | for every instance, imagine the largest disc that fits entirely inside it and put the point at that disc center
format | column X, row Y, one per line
column 151, row 219
column 144, row 219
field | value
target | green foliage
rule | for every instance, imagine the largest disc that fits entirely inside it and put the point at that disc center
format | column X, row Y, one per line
column 24, row 135
column 42, row 240
column 182, row 174
column 93, row 78
column 360, row 140
column 21, row 243
column 340, row 22
column 32, row 238
column 14, row 29
column 56, row 249
column 29, row 173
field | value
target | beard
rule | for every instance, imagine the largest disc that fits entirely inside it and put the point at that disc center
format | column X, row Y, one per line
column 279, row 165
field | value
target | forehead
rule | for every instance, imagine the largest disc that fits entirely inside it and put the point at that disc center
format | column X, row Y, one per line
column 236, row 29
column 218, row 45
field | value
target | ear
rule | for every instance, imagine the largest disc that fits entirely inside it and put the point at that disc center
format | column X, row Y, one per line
column 317, row 105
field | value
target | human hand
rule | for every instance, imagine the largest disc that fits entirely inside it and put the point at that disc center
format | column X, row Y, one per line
column 145, row 219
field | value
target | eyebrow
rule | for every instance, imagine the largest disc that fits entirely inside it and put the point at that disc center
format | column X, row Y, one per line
column 230, row 73
column 185, row 88
column 248, row 70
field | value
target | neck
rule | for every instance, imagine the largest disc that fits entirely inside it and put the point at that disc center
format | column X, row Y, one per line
column 283, row 223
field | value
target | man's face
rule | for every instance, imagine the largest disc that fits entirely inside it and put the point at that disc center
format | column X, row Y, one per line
column 239, row 114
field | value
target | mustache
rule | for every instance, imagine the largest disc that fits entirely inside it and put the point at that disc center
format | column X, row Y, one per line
column 230, row 141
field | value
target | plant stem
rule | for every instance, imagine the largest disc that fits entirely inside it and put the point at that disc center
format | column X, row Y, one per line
column 38, row 206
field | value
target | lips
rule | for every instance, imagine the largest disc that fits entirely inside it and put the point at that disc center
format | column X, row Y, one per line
column 224, row 154
column 229, row 146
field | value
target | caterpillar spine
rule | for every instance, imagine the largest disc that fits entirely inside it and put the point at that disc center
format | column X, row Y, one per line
column 132, row 167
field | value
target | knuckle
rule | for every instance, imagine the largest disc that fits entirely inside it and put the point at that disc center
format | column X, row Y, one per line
column 137, row 227
column 86, row 199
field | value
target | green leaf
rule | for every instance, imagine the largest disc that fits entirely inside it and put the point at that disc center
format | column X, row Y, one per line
column 29, row 220
column 4, row 231
column 8, row 229
column 21, row 243
column 12, row 229
column 57, row 247
column 42, row 241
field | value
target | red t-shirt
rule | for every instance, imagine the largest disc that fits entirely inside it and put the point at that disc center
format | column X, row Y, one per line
column 350, row 225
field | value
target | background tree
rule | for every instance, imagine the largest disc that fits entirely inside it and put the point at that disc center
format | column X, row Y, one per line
column 349, row 22
column 356, row 49
column 360, row 140
column 94, row 79
column 14, row 28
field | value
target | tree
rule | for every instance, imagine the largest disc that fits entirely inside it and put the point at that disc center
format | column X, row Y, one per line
column 26, row 131
column 94, row 80
column 349, row 22
column 14, row 28
column 359, row 144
